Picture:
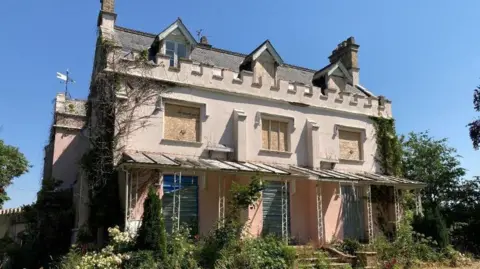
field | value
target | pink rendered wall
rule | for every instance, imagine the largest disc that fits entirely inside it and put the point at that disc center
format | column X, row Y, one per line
column 146, row 178
column 332, row 211
column 303, row 212
column 208, row 203
column 255, row 214
column 67, row 153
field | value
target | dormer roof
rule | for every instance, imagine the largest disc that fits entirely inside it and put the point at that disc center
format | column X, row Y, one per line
column 178, row 24
column 336, row 68
column 265, row 46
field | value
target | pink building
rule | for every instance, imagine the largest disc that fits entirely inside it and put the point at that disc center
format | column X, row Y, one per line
column 223, row 117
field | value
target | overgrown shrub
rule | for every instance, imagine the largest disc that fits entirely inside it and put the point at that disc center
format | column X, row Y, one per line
column 152, row 234
column 142, row 259
column 432, row 225
column 349, row 246
column 259, row 253
column 181, row 251
column 407, row 249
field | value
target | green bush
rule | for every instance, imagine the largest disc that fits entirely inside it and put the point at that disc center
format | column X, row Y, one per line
column 349, row 246
column 181, row 251
column 259, row 253
column 407, row 249
column 142, row 259
column 432, row 225
column 71, row 260
column 152, row 234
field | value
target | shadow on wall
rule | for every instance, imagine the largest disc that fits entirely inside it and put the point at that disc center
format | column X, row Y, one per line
column 69, row 147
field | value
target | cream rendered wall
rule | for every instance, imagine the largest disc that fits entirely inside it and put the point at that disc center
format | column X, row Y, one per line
column 264, row 67
column 217, row 127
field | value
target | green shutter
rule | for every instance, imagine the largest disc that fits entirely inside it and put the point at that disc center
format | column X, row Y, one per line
column 188, row 190
column 272, row 208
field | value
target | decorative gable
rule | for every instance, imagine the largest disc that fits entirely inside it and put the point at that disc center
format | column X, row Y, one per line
column 175, row 42
column 263, row 62
column 332, row 76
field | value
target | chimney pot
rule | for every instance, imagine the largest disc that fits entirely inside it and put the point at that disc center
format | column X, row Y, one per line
column 204, row 40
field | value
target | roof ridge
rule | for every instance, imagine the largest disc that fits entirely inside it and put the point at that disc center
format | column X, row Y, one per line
column 129, row 30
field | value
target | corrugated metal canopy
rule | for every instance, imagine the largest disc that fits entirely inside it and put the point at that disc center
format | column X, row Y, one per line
column 168, row 160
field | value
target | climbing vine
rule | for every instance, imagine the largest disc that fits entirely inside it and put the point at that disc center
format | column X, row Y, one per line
column 389, row 158
column 389, row 148
column 115, row 109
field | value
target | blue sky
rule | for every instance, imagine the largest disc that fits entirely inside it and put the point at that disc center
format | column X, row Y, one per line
column 423, row 55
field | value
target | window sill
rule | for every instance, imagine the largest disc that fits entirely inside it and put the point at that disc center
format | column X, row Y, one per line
column 275, row 152
column 347, row 161
column 181, row 143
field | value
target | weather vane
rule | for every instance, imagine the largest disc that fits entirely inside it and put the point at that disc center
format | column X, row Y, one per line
column 65, row 79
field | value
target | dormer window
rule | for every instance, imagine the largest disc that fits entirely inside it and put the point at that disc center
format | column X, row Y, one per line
column 175, row 50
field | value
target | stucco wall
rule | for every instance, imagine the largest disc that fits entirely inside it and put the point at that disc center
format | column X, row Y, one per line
column 332, row 211
column 217, row 127
column 67, row 152
column 303, row 212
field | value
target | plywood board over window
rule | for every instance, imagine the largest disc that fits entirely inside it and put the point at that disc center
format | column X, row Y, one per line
column 274, row 135
column 182, row 123
column 350, row 145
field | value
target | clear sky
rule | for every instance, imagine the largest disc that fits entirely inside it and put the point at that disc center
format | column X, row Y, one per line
column 423, row 55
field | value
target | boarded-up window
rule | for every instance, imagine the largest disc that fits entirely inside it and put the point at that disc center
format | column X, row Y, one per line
column 182, row 123
column 274, row 135
column 350, row 145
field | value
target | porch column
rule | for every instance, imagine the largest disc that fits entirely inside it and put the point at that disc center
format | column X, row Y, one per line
column 418, row 202
column 369, row 214
column 127, row 206
column 221, row 200
column 396, row 196
column 177, row 183
column 319, row 199
column 285, row 210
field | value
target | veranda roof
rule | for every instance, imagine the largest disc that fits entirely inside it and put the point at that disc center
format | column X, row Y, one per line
column 164, row 160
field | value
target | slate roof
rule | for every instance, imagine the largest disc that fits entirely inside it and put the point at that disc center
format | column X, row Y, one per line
column 135, row 40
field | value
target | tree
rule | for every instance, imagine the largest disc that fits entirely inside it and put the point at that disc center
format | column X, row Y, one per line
column 49, row 225
column 152, row 234
column 474, row 126
column 432, row 161
column 12, row 164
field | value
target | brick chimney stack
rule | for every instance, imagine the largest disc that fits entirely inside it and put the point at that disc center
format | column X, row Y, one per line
column 108, row 5
column 347, row 53
column 107, row 16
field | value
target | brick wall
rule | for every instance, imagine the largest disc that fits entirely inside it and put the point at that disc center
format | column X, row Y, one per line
column 108, row 5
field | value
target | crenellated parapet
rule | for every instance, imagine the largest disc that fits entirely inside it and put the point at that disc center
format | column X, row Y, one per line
column 208, row 77
column 69, row 113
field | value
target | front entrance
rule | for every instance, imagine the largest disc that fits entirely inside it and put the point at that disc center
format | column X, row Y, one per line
column 276, row 209
column 180, row 201
column 353, row 213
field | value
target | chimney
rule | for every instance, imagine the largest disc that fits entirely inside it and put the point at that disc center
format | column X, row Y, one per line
column 347, row 53
column 204, row 42
column 107, row 16
column 108, row 5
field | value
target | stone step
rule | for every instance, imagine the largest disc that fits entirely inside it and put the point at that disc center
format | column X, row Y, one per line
column 332, row 265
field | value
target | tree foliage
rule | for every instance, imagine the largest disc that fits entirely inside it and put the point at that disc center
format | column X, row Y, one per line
column 474, row 126
column 152, row 234
column 49, row 225
column 12, row 164
column 432, row 161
